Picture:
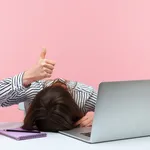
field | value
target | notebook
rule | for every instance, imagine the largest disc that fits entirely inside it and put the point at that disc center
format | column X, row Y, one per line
column 22, row 135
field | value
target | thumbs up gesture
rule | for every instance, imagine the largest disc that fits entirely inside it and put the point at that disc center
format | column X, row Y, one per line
column 42, row 70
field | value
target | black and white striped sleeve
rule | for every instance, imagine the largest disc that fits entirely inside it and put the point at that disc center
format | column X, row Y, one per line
column 12, row 90
column 91, row 101
column 85, row 96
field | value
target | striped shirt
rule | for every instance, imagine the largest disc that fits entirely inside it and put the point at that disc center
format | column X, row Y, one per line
column 12, row 92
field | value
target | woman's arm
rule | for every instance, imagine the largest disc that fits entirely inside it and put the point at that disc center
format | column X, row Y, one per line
column 87, row 120
column 91, row 101
column 25, row 85
column 12, row 90
column 89, row 98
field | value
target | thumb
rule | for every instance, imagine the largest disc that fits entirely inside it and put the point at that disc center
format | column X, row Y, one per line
column 43, row 54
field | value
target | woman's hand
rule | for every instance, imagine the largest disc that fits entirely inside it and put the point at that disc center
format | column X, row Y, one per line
column 86, row 121
column 42, row 70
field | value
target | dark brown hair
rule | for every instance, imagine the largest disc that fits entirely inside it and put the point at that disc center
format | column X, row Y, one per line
column 53, row 109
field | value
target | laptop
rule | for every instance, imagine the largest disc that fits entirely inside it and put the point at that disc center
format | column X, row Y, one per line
column 122, row 112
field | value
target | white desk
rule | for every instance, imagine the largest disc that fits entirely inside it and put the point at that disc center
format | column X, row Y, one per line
column 56, row 141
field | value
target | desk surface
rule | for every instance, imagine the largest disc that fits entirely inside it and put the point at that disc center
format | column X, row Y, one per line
column 56, row 141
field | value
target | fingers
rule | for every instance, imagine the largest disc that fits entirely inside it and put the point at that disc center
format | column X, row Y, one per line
column 48, row 71
column 90, row 124
column 86, row 123
column 80, row 121
column 48, row 66
column 49, row 62
column 43, row 69
column 43, row 54
column 47, row 75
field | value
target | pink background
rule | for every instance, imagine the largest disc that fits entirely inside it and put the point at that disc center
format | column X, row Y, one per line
column 91, row 40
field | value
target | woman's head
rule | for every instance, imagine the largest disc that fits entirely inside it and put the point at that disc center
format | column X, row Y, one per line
column 53, row 109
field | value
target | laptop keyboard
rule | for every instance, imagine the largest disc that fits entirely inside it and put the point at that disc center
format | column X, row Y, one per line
column 86, row 134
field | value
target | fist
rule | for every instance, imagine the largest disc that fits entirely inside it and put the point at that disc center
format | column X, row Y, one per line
column 42, row 70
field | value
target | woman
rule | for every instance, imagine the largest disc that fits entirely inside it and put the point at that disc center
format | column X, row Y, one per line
column 51, row 105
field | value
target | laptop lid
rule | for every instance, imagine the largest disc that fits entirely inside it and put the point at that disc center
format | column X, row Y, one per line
column 122, row 111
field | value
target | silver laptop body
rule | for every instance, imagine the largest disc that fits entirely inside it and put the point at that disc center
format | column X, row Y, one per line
column 122, row 111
